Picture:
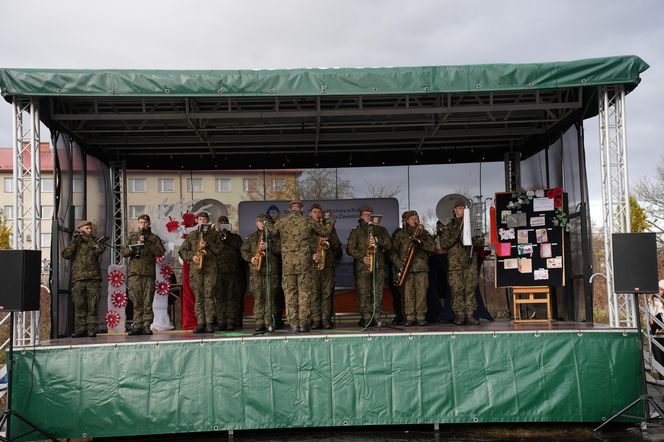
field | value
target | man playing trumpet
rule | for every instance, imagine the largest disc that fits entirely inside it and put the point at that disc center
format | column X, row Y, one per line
column 367, row 244
column 142, row 248
column 327, row 251
column 229, row 303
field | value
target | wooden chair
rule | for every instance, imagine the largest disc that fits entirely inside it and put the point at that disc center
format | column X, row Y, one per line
column 531, row 295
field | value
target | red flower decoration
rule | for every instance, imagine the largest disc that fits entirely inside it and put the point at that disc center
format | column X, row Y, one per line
column 118, row 299
column 162, row 288
column 188, row 219
column 558, row 191
column 112, row 319
column 116, row 278
column 550, row 194
column 172, row 225
column 158, row 258
column 166, row 270
column 558, row 202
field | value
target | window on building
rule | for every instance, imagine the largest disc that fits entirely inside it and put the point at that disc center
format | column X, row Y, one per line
column 77, row 185
column 9, row 185
column 278, row 184
column 47, row 184
column 47, row 212
column 250, row 184
column 194, row 184
column 136, row 184
column 78, row 213
column 45, row 240
column 223, row 184
column 8, row 212
column 136, row 211
column 166, row 185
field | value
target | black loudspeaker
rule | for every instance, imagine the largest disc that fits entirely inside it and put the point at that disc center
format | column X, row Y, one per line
column 635, row 263
column 20, row 274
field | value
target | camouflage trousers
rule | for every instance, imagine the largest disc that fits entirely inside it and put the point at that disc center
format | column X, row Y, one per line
column 297, row 290
column 85, row 295
column 463, row 283
column 226, row 304
column 264, row 302
column 415, row 295
column 322, row 299
column 203, row 284
column 368, row 297
column 141, row 293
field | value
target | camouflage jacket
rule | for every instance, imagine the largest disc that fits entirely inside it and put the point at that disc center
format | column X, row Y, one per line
column 84, row 250
column 297, row 235
column 144, row 264
column 189, row 249
column 401, row 243
column 249, row 247
column 358, row 245
column 229, row 257
column 459, row 256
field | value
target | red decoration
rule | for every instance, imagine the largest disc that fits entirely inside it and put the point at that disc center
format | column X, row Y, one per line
column 116, row 278
column 162, row 288
column 172, row 225
column 558, row 201
column 112, row 319
column 166, row 270
column 494, row 226
column 118, row 299
column 188, row 219
column 188, row 300
column 555, row 192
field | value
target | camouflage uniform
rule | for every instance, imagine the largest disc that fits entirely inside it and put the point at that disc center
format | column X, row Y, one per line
column 141, row 275
column 357, row 247
column 263, row 299
column 397, row 292
column 202, row 281
column 417, row 280
column 84, row 250
column 462, row 274
column 297, row 235
column 228, row 275
column 322, row 303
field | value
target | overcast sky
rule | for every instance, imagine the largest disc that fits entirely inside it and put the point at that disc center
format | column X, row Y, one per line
column 167, row 34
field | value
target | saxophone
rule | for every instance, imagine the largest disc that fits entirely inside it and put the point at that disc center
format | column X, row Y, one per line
column 371, row 251
column 407, row 260
column 259, row 255
column 201, row 247
column 323, row 245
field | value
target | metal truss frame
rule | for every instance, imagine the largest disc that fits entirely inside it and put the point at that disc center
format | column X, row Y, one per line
column 118, row 171
column 27, row 199
column 615, row 193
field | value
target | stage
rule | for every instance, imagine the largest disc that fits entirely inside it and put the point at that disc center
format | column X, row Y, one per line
column 180, row 382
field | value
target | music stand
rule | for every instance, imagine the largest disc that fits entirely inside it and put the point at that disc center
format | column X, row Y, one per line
column 9, row 412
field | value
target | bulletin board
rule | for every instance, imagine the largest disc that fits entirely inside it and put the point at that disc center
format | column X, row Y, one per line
column 531, row 242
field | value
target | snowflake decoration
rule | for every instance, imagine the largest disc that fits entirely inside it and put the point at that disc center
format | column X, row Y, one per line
column 118, row 299
column 116, row 278
column 112, row 319
column 166, row 270
column 162, row 288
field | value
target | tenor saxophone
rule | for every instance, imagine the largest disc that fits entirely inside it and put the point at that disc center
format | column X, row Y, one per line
column 323, row 245
column 259, row 257
column 371, row 251
column 201, row 248
column 407, row 260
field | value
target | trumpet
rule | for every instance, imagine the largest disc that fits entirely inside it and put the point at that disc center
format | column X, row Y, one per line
column 201, row 246
column 371, row 251
column 323, row 245
column 223, row 235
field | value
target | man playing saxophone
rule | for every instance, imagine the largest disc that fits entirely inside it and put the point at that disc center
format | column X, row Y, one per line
column 201, row 248
column 142, row 248
column 262, row 252
column 367, row 244
column 327, row 251
column 410, row 253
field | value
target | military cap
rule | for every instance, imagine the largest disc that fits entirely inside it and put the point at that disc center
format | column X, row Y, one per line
column 145, row 216
column 315, row 206
column 404, row 216
column 223, row 219
column 294, row 202
column 262, row 218
column 203, row 214
column 365, row 209
column 459, row 202
column 83, row 223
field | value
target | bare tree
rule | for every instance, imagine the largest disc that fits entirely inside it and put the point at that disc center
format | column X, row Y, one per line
column 322, row 184
column 382, row 191
column 428, row 219
column 650, row 193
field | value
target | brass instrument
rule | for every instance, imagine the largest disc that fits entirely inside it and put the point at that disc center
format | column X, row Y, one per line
column 323, row 245
column 371, row 251
column 136, row 248
column 223, row 235
column 259, row 256
column 201, row 245
column 407, row 260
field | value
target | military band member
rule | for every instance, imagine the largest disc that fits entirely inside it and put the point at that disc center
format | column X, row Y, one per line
column 322, row 302
column 364, row 241
column 227, row 291
column 200, row 248
column 420, row 243
column 462, row 268
column 262, row 255
column 142, row 248
column 397, row 291
column 84, row 251
column 297, row 235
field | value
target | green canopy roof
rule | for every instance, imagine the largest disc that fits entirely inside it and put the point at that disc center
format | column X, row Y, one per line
column 333, row 81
